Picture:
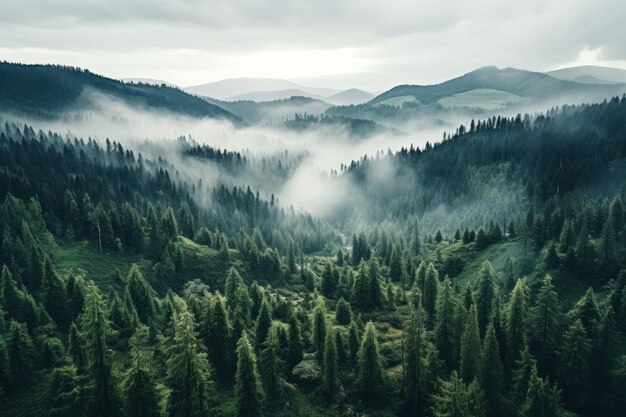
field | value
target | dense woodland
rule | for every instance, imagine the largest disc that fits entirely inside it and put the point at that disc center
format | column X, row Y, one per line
column 131, row 288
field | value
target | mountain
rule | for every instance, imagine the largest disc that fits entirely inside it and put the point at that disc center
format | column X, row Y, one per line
column 351, row 96
column 590, row 74
column 233, row 87
column 260, row 96
column 49, row 91
column 274, row 111
column 149, row 81
column 520, row 85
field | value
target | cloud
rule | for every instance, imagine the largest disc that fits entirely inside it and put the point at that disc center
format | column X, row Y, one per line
column 381, row 42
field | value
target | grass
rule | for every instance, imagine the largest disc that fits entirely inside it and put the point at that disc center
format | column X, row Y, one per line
column 99, row 267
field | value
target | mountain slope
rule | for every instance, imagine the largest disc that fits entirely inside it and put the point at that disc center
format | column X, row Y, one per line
column 49, row 91
column 532, row 85
column 351, row 96
column 261, row 96
column 233, row 87
column 591, row 74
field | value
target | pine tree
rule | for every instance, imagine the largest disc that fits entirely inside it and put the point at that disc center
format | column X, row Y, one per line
column 217, row 339
column 376, row 299
column 188, row 373
column 319, row 326
column 52, row 293
column 516, row 322
column 233, row 281
column 470, row 347
column 5, row 367
column 575, row 358
column 296, row 348
column 457, row 399
column 68, row 393
column 522, row 372
column 371, row 378
column 485, row 295
column 542, row 399
column 168, row 227
column 415, row 372
column 141, row 294
column 248, row 388
column 21, row 354
column 269, row 368
column 354, row 341
column 343, row 314
column 291, row 258
column 330, row 369
column 491, row 373
column 361, row 290
column 75, row 348
column 546, row 316
column 140, row 394
column 429, row 294
column 263, row 324
column 96, row 329
column 396, row 270
column 445, row 324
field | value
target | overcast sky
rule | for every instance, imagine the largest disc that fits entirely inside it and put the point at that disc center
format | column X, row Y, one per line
column 370, row 44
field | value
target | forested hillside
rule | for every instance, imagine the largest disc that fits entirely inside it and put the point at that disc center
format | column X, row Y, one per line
column 484, row 275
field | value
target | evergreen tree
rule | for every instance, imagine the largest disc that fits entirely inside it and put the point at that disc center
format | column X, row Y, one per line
column 330, row 369
column 217, row 338
column 371, row 378
column 21, row 352
column 52, row 293
column 376, row 299
column 470, row 347
column 141, row 294
column 291, row 258
column 168, row 227
column 188, row 373
column 491, row 373
column 140, row 394
column 575, row 359
column 248, row 388
column 546, row 316
column 5, row 367
column 429, row 294
column 485, row 295
column 542, row 399
column 445, row 323
column 269, row 368
column 516, row 322
column 457, row 399
column 296, row 348
column 522, row 372
column 96, row 329
column 319, row 326
column 263, row 324
column 68, row 393
column 354, row 341
column 415, row 367
column 343, row 314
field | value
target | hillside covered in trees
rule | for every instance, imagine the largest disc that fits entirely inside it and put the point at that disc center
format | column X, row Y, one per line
column 483, row 275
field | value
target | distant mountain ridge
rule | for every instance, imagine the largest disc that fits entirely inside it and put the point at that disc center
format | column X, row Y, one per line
column 232, row 87
column 590, row 74
column 50, row 90
column 527, row 84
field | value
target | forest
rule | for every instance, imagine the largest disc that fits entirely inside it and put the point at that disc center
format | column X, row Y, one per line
column 482, row 275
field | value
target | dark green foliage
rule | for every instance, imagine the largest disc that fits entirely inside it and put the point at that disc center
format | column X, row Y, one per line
column 217, row 334
column 141, row 294
column 343, row 314
column 575, row 358
column 470, row 347
column 491, row 373
column 416, row 378
column 516, row 322
column 96, row 328
column 319, row 326
column 486, row 291
column 446, row 324
column 457, row 399
column 269, row 369
column 68, row 393
column 188, row 373
column 52, row 293
column 21, row 354
column 371, row 378
column 263, row 324
column 296, row 348
column 330, row 368
column 140, row 395
column 248, row 386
